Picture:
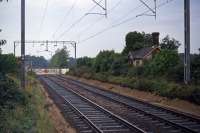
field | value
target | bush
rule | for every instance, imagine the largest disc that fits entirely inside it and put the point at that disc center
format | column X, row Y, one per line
column 158, row 86
column 119, row 66
column 177, row 73
column 195, row 69
column 101, row 77
column 195, row 96
column 10, row 95
column 31, row 73
column 8, row 63
column 135, row 71
column 84, row 61
column 103, row 61
column 162, row 63
column 10, row 99
column 123, row 81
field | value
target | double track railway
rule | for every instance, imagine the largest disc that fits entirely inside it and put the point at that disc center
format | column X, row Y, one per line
column 87, row 116
column 160, row 119
column 105, row 111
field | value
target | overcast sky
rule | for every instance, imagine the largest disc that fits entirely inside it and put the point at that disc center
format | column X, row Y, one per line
column 52, row 19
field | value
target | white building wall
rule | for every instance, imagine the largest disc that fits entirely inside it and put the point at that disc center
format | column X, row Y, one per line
column 51, row 71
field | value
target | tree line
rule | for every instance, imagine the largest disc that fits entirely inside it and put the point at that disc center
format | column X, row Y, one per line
column 168, row 63
column 162, row 74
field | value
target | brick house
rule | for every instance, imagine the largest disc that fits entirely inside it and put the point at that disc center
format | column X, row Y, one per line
column 137, row 58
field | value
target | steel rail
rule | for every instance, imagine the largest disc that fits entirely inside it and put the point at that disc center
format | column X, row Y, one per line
column 145, row 112
column 84, row 117
column 118, row 118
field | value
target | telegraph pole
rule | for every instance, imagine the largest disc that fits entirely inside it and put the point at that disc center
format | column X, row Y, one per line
column 187, row 41
column 23, row 44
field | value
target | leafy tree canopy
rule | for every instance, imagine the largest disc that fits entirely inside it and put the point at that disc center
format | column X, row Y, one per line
column 85, row 61
column 3, row 42
column 103, row 60
column 195, row 68
column 8, row 63
column 119, row 66
column 37, row 62
column 169, row 43
column 60, row 59
column 136, row 40
column 162, row 63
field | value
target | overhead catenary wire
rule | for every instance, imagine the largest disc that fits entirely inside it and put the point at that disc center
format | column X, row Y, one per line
column 124, row 16
column 120, row 23
column 147, row 6
column 65, row 17
column 114, row 7
column 76, row 22
column 43, row 16
column 131, row 11
column 99, row 19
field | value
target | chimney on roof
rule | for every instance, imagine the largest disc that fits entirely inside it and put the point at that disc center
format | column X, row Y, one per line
column 155, row 37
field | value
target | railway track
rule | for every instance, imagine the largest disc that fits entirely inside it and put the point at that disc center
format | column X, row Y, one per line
column 173, row 121
column 87, row 116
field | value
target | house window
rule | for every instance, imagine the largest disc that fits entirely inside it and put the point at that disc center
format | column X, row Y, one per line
column 137, row 62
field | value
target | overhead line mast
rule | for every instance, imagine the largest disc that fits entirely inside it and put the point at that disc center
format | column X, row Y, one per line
column 98, row 20
column 104, row 8
column 152, row 10
column 187, row 41
column 23, row 44
column 122, row 22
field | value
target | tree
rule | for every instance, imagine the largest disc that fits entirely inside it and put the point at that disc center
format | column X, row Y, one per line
column 136, row 40
column 60, row 59
column 2, row 42
column 103, row 61
column 84, row 61
column 2, row 0
column 37, row 62
column 169, row 43
column 119, row 66
column 195, row 68
column 163, row 63
column 8, row 63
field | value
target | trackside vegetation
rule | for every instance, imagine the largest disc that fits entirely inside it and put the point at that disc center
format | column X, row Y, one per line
column 21, row 111
column 162, row 75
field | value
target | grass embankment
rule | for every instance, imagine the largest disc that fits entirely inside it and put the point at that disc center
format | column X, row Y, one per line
column 159, row 86
column 28, row 112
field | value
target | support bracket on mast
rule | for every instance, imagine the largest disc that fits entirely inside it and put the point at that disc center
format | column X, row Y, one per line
column 153, row 10
column 103, row 7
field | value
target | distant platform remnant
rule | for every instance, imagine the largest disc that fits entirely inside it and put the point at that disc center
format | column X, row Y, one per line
column 51, row 71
